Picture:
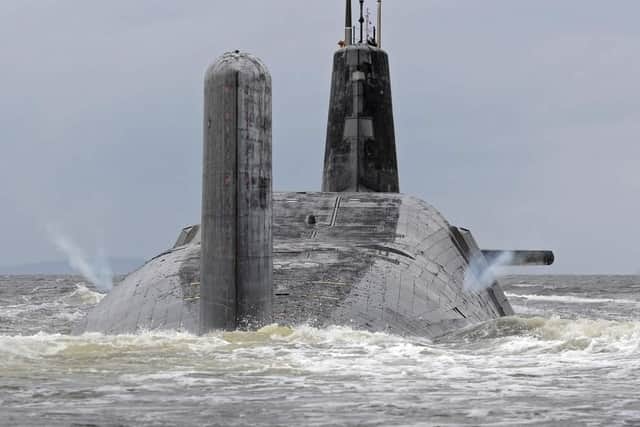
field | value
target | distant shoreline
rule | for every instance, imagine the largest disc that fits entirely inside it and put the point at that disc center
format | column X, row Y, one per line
column 119, row 266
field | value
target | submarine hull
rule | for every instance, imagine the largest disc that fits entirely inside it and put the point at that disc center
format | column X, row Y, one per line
column 370, row 261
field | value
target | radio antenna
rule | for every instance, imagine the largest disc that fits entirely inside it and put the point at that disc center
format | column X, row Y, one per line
column 379, row 26
column 361, row 20
column 367, row 25
column 348, row 26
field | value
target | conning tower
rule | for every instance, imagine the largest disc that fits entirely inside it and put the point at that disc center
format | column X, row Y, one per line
column 360, row 152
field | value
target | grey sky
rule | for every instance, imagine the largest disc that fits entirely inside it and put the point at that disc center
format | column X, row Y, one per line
column 517, row 119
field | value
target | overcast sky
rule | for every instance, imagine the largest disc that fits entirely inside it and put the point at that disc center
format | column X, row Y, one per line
column 517, row 119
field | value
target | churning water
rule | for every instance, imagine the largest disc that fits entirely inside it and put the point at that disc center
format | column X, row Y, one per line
column 571, row 357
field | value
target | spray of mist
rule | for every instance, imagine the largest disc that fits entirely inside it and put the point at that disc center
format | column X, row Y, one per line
column 97, row 271
column 480, row 275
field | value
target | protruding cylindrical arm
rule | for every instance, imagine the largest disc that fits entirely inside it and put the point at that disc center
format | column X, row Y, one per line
column 519, row 258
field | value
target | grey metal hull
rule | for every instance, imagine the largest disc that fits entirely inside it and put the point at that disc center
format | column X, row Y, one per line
column 372, row 261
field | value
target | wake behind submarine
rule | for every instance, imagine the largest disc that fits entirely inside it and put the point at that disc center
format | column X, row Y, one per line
column 358, row 254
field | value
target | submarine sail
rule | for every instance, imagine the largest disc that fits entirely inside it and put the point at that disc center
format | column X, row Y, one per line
column 360, row 150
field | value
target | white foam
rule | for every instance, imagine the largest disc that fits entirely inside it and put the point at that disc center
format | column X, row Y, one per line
column 84, row 295
column 319, row 369
column 332, row 350
column 70, row 316
column 565, row 329
column 569, row 299
column 30, row 347
column 523, row 285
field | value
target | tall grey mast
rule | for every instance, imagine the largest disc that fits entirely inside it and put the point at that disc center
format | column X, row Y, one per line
column 348, row 25
column 379, row 27
column 361, row 21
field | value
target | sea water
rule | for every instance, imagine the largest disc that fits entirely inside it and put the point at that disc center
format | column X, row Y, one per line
column 570, row 357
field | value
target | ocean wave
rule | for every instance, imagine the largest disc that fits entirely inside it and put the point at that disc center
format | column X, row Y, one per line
column 524, row 285
column 67, row 308
column 556, row 328
column 306, row 368
column 552, row 335
column 570, row 299
column 509, row 334
column 303, row 346
column 83, row 295
column 96, row 345
column 331, row 359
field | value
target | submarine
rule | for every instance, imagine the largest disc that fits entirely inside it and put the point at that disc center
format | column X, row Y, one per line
column 358, row 253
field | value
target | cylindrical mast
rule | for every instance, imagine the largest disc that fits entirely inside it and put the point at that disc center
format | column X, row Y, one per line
column 368, row 25
column 379, row 27
column 361, row 20
column 348, row 26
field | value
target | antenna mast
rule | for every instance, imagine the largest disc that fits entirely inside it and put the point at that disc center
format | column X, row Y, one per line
column 379, row 29
column 367, row 24
column 348, row 26
column 361, row 20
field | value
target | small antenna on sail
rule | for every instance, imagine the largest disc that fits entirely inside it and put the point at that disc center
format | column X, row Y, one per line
column 361, row 20
column 379, row 26
column 348, row 26
column 367, row 25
